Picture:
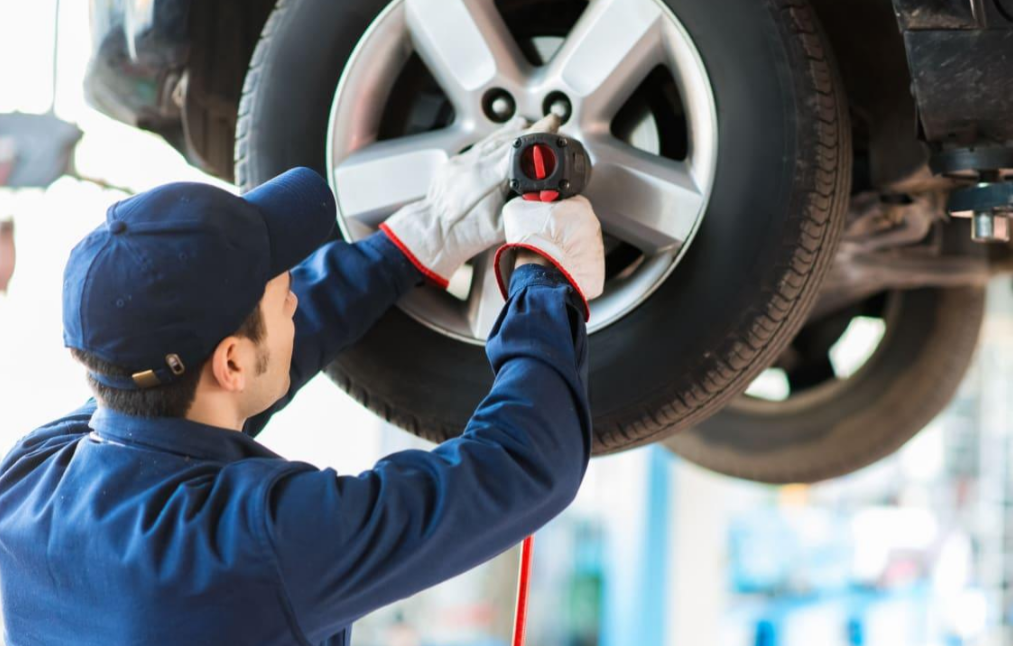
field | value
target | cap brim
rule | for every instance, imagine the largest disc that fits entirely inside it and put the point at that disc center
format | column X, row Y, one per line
column 299, row 210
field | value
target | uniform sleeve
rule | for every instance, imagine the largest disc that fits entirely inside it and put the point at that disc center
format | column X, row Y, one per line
column 348, row 545
column 343, row 290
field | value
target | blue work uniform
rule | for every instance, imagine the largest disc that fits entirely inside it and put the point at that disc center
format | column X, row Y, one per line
column 119, row 530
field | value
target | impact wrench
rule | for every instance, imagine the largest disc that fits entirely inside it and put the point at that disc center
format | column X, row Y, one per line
column 544, row 167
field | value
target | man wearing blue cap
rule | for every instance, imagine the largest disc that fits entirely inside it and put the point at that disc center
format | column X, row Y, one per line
column 152, row 516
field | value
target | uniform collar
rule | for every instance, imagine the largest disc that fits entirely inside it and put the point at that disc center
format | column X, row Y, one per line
column 177, row 435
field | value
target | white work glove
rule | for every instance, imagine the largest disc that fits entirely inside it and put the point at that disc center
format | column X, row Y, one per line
column 460, row 217
column 566, row 233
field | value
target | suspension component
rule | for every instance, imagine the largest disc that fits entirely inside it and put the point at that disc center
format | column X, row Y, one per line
column 989, row 205
column 989, row 202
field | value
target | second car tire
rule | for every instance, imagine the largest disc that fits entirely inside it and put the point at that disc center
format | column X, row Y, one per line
column 844, row 425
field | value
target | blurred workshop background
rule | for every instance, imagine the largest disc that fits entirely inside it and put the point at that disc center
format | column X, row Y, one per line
column 915, row 550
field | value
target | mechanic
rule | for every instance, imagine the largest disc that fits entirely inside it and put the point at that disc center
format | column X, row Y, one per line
column 152, row 516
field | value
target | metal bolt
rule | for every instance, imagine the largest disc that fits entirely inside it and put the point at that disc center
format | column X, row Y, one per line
column 564, row 185
column 557, row 103
column 517, row 143
column 514, row 184
column 987, row 226
column 502, row 107
column 562, row 143
column 499, row 106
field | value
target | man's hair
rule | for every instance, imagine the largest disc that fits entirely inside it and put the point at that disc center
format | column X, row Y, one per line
column 171, row 400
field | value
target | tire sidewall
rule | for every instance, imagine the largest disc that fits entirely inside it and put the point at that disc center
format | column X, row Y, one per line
column 912, row 376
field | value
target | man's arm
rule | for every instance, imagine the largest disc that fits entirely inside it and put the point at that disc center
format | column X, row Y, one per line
column 348, row 545
column 343, row 290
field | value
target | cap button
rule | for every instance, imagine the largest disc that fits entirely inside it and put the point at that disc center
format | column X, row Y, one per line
column 117, row 227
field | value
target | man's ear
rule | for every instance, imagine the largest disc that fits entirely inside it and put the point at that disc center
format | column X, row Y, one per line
column 227, row 367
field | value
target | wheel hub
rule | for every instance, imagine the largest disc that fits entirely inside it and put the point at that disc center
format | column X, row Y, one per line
column 650, row 204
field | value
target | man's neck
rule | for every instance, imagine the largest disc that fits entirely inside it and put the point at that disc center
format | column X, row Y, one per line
column 213, row 411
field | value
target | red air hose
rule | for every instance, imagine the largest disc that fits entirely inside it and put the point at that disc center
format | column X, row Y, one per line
column 523, row 579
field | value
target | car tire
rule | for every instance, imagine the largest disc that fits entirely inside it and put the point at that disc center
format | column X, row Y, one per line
column 843, row 425
column 736, row 299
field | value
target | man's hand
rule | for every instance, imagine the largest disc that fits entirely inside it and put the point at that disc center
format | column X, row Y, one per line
column 460, row 216
column 565, row 234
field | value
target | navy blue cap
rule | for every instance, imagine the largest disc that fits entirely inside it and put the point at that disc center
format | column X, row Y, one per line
column 176, row 269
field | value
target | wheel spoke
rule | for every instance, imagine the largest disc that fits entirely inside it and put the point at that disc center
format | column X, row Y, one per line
column 484, row 300
column 376, row 180
column 608, row 53
column 648, row 201
column 466, row 45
